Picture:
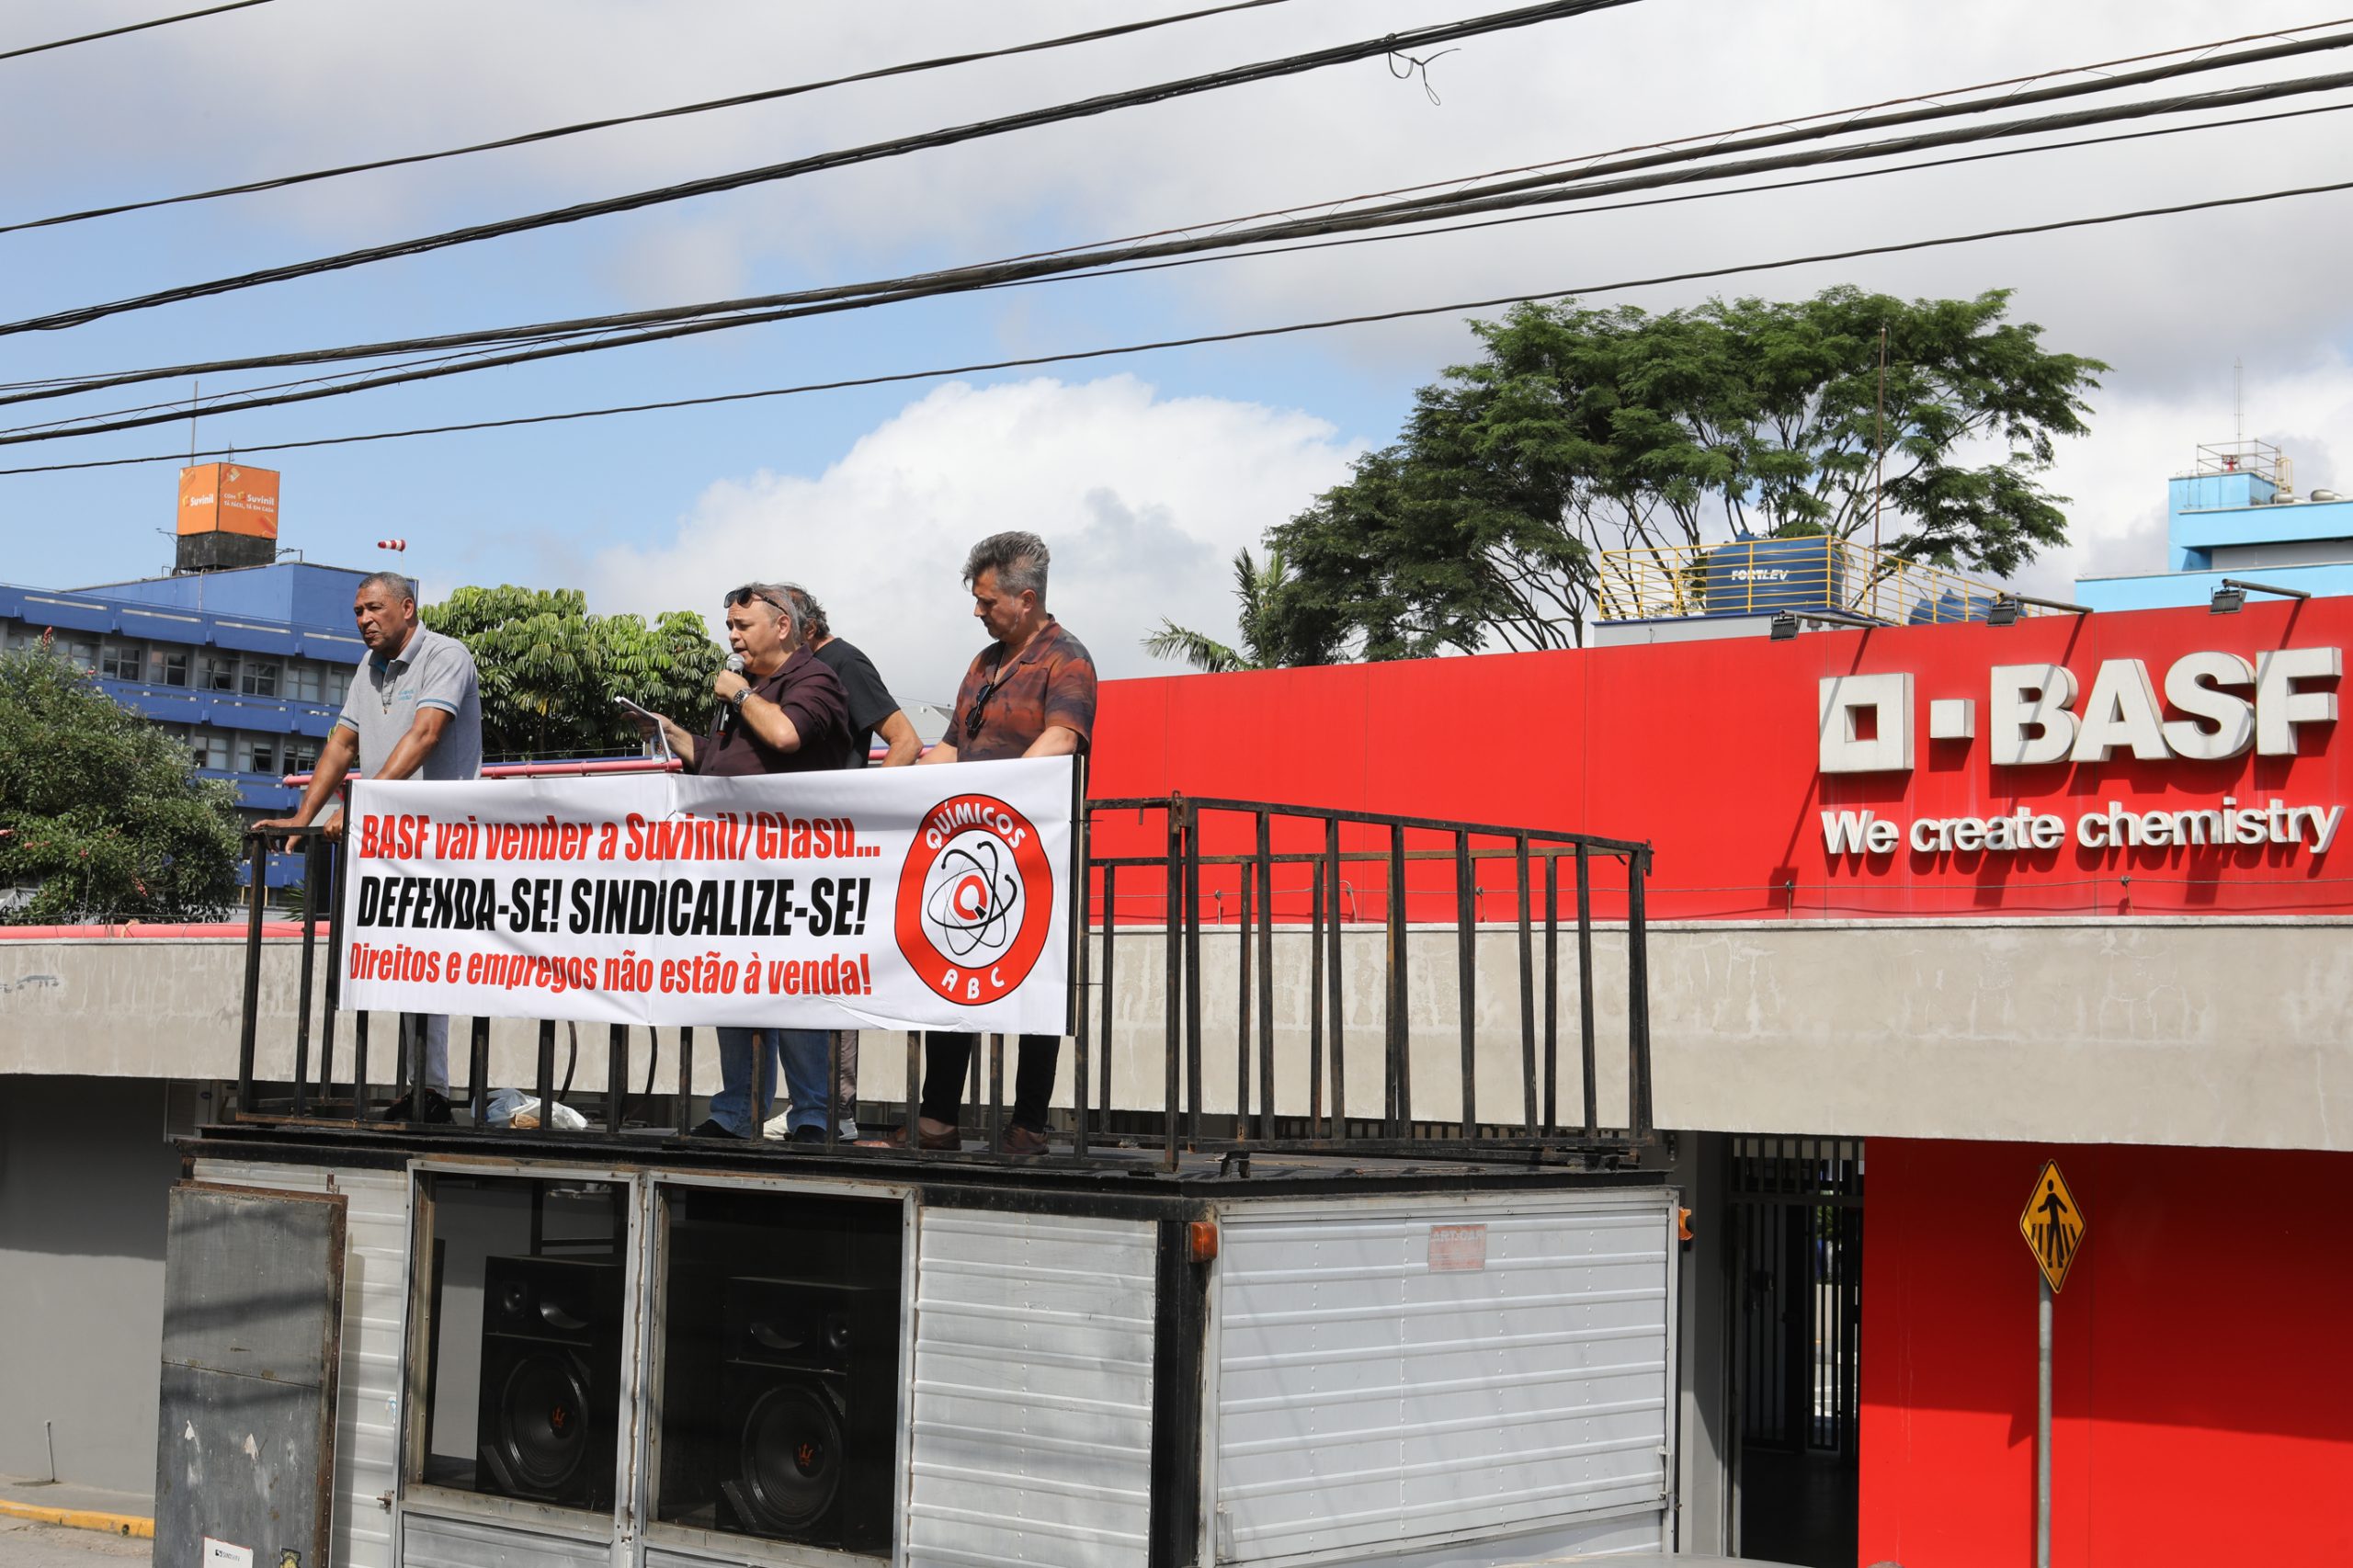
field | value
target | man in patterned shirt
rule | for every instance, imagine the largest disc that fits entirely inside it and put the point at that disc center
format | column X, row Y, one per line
column 1029, row 693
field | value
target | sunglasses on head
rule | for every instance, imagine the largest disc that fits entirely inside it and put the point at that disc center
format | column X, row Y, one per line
column 744, row 595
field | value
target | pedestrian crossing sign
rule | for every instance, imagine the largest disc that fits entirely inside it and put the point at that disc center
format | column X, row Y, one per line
column 2053, row 1225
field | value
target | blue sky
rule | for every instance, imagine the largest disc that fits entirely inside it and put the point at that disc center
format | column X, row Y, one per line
column 1149, row 471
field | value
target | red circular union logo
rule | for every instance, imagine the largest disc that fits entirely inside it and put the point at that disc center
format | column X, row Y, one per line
column 976, row 897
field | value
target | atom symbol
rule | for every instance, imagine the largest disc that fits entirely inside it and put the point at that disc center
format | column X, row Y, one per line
column 975, row 898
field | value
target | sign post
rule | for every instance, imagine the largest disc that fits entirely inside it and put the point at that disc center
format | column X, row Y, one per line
column 2042, row 1425
column 2054, row 1227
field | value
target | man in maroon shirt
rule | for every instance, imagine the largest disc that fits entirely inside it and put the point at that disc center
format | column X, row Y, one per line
column 785, row 713
column 1029, row 693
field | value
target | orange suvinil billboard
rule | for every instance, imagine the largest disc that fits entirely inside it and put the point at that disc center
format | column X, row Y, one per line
column 229, row 498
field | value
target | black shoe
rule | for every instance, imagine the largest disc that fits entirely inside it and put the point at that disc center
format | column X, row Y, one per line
column 436, row 1109
column 714, row 1127
column 808, row 1135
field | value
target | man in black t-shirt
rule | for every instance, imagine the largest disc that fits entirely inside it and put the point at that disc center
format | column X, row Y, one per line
column 872, row 710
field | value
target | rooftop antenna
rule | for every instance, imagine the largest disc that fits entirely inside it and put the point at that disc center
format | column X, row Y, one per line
column 2238, row 401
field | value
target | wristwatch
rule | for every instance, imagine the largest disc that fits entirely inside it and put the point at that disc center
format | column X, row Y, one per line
column 738, row 701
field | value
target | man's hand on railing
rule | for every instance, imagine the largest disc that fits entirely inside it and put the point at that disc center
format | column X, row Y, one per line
column 296, row 830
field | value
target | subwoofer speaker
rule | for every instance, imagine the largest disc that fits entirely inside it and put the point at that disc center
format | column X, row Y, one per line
column 551, row 1370
column 810, row 1411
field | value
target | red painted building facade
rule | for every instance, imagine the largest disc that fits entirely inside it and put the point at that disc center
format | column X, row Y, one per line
column 2204, row 1399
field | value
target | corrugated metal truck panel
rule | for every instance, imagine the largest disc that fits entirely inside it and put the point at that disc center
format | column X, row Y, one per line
column 375, row 1287
column 1032, row 1391
column 430, row 1542
column 1409, row 1371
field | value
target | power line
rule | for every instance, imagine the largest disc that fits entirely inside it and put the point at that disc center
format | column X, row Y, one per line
column 196, row 405
column 740, row 100
column 961, row 281
column 1202, row 339
column 1937, row 95
column 1465, row 198
column 1268, row 70
column 133, row 28
column 1915, row 116
column 181, row 409
column 1764, row 189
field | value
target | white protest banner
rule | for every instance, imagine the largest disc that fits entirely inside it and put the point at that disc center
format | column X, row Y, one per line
column 877, row 898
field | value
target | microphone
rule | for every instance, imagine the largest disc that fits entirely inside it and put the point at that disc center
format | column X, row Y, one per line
column 727, row 710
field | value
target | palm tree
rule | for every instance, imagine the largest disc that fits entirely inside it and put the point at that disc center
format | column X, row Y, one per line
column 1260, row 593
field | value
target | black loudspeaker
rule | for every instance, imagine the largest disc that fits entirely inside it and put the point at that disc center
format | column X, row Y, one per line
column 550, row 1370
column 810, row 1411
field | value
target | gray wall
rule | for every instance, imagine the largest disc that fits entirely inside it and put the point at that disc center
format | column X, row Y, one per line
column 2229, row 1031
column 84, row 1170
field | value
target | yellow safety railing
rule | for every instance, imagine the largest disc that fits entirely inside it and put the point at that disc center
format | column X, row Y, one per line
column 1768, row 577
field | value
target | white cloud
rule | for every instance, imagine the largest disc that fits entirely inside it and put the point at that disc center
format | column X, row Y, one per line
column 1143, row 499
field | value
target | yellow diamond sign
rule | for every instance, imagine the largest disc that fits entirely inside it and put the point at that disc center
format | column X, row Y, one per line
column 2052, row 1225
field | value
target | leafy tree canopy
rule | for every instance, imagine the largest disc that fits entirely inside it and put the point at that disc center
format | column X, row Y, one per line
column 100, row 810
column 1579, row 432
column 549, row 670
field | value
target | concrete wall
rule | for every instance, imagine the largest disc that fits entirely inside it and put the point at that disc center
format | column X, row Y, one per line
column 2220, row 1031
column 84, row 1171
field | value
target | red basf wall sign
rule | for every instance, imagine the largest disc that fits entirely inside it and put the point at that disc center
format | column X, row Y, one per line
column 2168, row 761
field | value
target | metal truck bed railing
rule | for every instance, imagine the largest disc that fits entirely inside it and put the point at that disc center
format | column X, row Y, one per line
column 1175, row 874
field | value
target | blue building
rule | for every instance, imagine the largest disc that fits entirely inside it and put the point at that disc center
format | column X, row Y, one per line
column 2239, row 516
column 247, row 665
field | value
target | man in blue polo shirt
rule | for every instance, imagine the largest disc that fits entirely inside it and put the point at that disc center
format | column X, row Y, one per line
column 413, row 711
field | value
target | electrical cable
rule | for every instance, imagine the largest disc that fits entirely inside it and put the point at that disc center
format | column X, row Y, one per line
column 197, row 406
column 281, row 182
column 1268, row 70
column 133, row 28
column 1934, row 111
column 1939, row 94
column 1717, row 136
column 1481, row 197
column 833, row 300
column 1768, row 188
column 1244, row 334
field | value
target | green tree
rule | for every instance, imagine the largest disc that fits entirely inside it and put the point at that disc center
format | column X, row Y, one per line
column 549, row 670
column 100, row 810
column 1270, row 631
column 1579, row 433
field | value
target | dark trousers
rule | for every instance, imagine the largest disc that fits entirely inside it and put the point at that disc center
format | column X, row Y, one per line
column 948, row 1058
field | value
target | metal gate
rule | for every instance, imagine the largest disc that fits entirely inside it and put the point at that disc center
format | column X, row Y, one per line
column 1797, row 1212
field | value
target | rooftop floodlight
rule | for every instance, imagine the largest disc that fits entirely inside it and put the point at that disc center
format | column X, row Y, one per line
column 2245, row 588
column 2016, row 602
column 2227, row 600
column 1784, row 626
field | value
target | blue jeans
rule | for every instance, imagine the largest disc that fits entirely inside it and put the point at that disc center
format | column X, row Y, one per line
column 803, row 1052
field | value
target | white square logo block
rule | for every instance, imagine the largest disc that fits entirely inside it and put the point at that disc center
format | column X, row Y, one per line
column 1867, row 724
column 1953, row 719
